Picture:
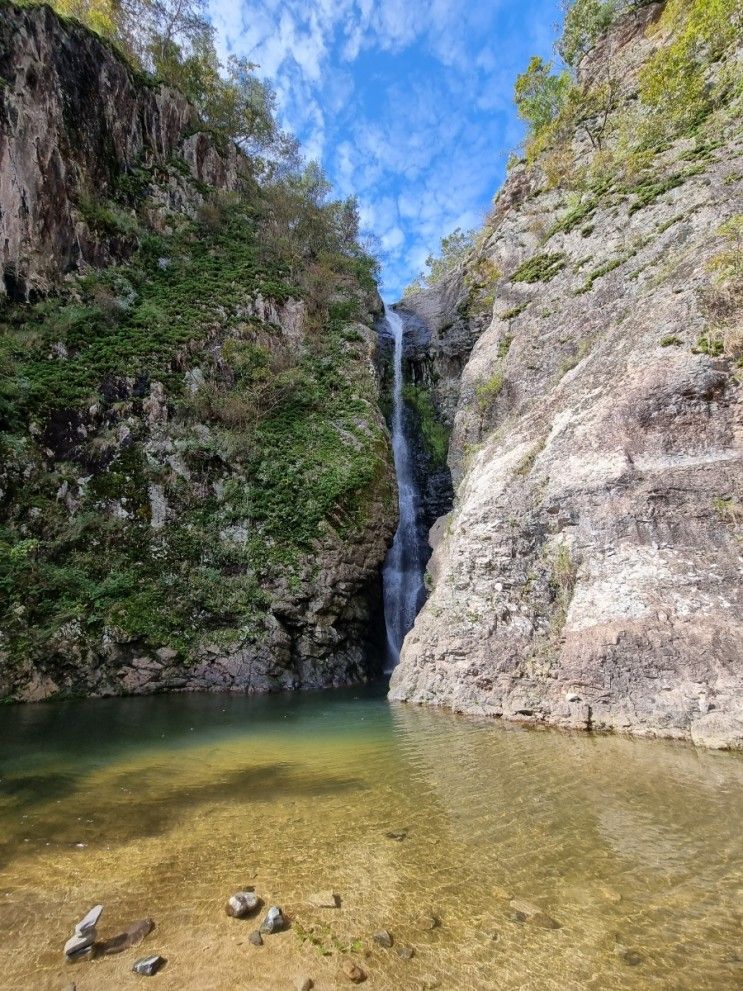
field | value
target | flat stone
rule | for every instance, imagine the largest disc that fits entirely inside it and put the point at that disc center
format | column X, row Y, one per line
column 132, row 935
column 79, row 944
column 353, row 972
column 255, row 938
column 274, row 921
column 324, row 899
column 242, row 903
column 383, row 938
column 89, row 921
column 406, row 952
column 148, row 966
column 303, row 984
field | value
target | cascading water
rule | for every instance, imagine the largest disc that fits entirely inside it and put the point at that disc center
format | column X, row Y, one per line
column 402, row 576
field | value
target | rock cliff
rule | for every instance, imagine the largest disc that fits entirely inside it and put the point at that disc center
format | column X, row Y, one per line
column 196, row 485
column 589, row 575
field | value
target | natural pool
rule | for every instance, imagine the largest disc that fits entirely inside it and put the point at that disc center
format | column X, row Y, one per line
column 165, row 806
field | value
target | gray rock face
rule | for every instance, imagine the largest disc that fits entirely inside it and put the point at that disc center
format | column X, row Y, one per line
column 72, row 112
column 589, row 574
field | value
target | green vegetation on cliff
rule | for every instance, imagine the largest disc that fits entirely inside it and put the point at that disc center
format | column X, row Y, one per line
column 181, row 431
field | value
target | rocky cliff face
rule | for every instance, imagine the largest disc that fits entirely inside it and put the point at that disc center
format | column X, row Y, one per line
column 77, row 125
column 589, row 574
column 196, row 486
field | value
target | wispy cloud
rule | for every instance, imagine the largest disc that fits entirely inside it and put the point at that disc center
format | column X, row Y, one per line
column 408, row 105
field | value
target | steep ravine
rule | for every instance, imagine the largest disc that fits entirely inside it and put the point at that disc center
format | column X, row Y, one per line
column 196, row 481
column 589, row 575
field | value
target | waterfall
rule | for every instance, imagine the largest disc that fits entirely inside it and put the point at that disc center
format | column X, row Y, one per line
column 402, row 576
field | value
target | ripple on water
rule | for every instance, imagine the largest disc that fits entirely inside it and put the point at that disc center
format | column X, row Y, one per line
column 165, row 806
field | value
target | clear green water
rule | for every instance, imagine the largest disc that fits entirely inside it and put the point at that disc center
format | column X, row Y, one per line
column 634, row 847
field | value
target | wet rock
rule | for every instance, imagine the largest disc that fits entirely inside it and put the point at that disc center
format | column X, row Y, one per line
column 89, row 921
column 383, row 938
column 405, row 952
column 631, row 957
column 255, row 938
column 132, row 935
column 353, row 972
column 533, row 914
column 274, row 921
column 79, row 944
column 426, row 922
column 148, row 966
column 242, row 903
column 324, row 899
column 303, row 984
column 396, row 834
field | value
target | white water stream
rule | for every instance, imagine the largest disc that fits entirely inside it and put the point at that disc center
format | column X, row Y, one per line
column 402, row 576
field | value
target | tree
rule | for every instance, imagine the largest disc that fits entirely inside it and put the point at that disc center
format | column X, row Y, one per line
column 540, row 94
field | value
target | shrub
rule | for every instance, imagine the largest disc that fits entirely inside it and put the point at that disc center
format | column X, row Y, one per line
column 488, row 391
column 540, row 268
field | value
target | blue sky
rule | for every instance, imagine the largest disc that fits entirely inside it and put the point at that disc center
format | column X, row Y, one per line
column 407, row 103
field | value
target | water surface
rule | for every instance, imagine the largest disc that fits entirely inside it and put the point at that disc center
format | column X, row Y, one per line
column 164, row 806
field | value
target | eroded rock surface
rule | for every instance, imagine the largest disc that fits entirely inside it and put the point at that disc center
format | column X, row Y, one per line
column 590, row 573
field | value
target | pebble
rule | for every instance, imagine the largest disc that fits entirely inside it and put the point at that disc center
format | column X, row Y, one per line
column 242, row 903
column 353, row 972
column 274, row 921
column 383, row 938
column 148, row 966
column 304, row 984
column 255, row 938
column 406, row 952
column 324, row 899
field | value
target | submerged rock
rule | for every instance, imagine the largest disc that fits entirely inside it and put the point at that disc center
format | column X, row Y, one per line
column 405, row 952
column 532, row 914
column 242, row 903
column 383, row 938
column 396, row 834
column 426, row 922
column 149, row 966
column 303, row 984
column 255, row 938
column 274, row 921
column 132, row 935
column 324, row 899
column 353, row 972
